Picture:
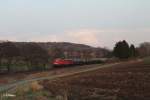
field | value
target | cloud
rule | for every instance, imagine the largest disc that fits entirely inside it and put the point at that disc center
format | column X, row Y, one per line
column 84, row 36
column 47, row 38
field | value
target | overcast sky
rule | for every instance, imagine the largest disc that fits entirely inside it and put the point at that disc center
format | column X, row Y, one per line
column 93, row 22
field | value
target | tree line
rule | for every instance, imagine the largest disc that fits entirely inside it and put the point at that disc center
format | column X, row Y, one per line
column 28, row 56
column 33, row 56
column 123, row 50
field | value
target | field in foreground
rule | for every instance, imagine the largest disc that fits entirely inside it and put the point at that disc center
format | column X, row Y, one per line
column 127, row 81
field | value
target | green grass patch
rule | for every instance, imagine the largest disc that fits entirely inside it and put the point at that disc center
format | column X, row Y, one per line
column 34, row 95
column 146, row 60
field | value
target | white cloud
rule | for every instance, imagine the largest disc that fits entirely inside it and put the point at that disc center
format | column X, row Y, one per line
column 47, row 38
column 84, row 36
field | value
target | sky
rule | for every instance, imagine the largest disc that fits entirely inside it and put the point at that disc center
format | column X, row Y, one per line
column 99, row 23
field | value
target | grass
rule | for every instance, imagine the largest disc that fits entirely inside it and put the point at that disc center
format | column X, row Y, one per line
column 34, row 95
column 32, row 91
column 146, row 60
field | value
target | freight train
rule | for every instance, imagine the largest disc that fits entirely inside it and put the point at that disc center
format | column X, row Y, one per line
column 71, row 62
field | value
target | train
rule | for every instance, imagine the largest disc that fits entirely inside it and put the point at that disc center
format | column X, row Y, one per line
column 59, row 62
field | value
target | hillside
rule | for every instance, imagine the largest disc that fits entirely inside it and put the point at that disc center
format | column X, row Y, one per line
column 71, row 49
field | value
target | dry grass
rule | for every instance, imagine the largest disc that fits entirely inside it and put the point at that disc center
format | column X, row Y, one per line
column 35, row 86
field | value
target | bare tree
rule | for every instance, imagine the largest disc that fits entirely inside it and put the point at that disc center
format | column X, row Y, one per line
column 56, row 52
column 144, row 49
column 35, row 56
column 9, row 52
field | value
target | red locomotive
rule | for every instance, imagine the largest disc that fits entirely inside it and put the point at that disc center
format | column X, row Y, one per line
column 63, row 62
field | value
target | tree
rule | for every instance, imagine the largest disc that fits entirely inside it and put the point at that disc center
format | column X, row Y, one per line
column 35, row 56
column 122, row 50
column 0, row 54
column 56, row 52
column 8, row 52
column 133, row 52
column 144, row 49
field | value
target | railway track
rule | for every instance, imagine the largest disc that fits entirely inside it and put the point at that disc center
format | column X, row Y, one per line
column 4, row 89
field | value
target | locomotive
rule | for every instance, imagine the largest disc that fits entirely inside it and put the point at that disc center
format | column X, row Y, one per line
column 59, row 62
column 62, row 62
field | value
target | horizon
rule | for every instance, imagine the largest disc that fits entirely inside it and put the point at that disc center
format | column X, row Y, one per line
column 97, row 23
column 138, row 45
